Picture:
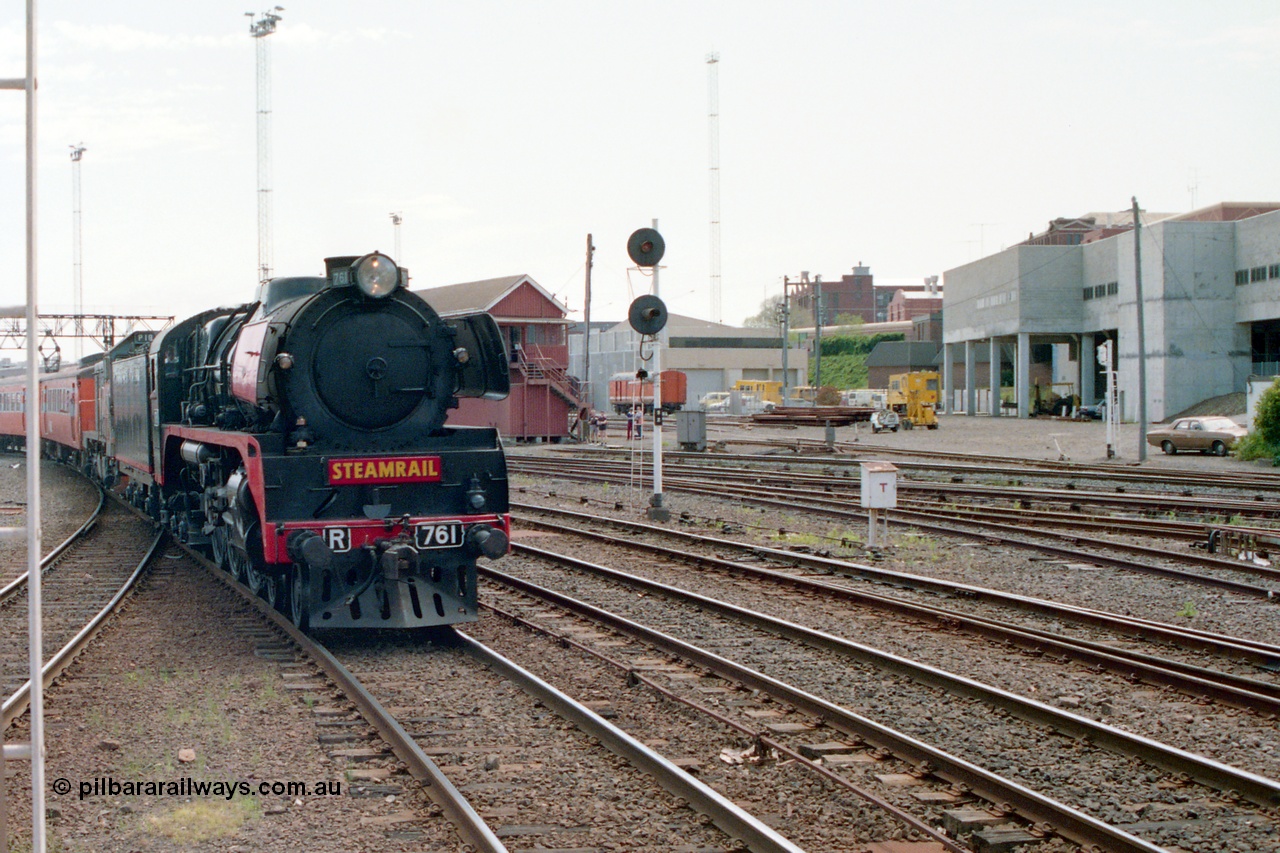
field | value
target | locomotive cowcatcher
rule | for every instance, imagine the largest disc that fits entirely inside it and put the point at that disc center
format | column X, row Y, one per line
column 301, row 440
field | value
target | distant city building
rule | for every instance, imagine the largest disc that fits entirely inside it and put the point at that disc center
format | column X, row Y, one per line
column 907, row 305
column 853, row 295
column 1211, row 298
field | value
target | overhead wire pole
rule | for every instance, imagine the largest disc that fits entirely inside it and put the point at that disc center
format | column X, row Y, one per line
column 713, row 115
column 260, row 29
column 77, row 250
column 35, row 628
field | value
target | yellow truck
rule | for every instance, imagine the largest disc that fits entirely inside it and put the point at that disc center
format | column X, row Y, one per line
column 914, row 396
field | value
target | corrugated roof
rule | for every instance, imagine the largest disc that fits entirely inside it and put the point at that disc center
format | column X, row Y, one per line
column 479, row 295
column 902, row 354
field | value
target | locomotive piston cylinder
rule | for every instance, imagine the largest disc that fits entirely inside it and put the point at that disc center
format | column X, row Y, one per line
column 195, row 453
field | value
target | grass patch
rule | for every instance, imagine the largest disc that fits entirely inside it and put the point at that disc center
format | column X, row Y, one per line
column 197, row 822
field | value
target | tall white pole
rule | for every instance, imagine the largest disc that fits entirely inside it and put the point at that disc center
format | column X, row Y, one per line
column 396, row 219
column 35, row 630
column 77, row 248
column 713, row 116
column 260, row 29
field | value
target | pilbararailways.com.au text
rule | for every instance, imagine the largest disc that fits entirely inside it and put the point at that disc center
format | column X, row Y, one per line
column 188, row 787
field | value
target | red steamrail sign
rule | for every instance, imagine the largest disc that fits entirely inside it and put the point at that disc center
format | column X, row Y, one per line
column 385, row 469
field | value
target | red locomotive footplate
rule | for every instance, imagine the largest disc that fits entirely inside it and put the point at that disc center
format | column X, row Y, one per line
column 384, row 469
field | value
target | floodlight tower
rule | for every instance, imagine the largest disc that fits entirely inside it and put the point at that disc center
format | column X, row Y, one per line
column 713, row 116
column 77, row 256
column 260, row 29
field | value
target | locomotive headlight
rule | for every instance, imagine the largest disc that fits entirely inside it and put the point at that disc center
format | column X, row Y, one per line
column 376, row 275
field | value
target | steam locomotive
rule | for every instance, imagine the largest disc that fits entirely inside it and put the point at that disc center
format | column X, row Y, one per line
column 301, row 441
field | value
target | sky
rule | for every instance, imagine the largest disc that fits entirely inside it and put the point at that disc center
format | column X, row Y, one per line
column 910, row 137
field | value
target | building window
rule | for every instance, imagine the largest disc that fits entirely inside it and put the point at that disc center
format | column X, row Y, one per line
column 1088, row 293
column 1099, row 291
column 1242, row 276
column 1273, row 271
column 1258, row 274
column 1113, row 288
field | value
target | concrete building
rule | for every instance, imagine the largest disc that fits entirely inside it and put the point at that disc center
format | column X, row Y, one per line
column 1211, row 304
column 712, row 356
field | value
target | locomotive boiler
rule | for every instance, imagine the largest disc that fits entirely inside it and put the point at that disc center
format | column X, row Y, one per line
column 302, row 441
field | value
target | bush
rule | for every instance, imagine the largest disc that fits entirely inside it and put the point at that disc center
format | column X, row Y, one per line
column 1267, row 421
column 1264, row 439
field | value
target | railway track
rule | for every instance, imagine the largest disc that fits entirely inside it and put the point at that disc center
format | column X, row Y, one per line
column 540, row 766
column 980, row 464
column 841, row 673
column 1238, row 685
column 1230, row 575
column 84, row 580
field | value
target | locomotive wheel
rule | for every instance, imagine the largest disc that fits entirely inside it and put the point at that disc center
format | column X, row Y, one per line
column 220, row 547
column 256, row 579
column 274, row 591
column 300, row 597
column 238, row 564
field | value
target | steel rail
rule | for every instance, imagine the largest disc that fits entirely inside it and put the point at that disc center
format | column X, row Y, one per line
column 989, row 530
column 1257, row 789
column 16, row 705
column 470, row 826
column 1162, row 501
column 981, row 462
column 1234, row 690
column 1036, row 807
column 15, row 586
column 726, row 815
column 757, row 735
column 1263, row 654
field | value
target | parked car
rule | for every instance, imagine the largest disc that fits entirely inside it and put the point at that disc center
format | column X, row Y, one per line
column 1206, row 434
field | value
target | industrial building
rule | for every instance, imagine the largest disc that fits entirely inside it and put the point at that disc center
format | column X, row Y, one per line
column 713, row 356
column 1211, row 303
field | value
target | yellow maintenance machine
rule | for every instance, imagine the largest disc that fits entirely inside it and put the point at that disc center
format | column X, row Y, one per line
column 762, row 390
column 914, row 396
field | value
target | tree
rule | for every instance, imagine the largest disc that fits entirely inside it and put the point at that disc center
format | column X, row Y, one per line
column 767, row 316
column 1267, row 420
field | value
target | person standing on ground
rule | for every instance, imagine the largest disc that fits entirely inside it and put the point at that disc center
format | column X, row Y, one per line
column 631, row 422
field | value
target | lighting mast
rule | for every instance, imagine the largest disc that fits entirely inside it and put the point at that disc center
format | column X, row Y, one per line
column 77, row 256
column 713, row 116
column 260, row 29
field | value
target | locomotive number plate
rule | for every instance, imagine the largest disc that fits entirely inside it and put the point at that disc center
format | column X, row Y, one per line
column 445, row 535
